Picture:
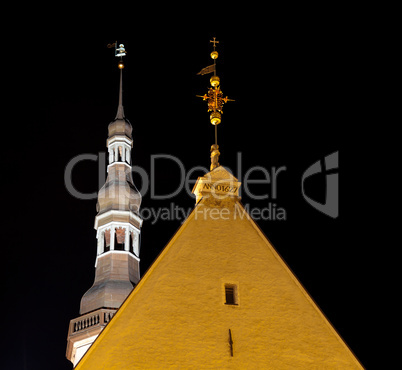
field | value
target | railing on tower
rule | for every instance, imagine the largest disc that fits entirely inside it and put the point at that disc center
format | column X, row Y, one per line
column 95, row 319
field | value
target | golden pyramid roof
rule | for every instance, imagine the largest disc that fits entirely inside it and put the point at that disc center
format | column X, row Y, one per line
column 179, row 315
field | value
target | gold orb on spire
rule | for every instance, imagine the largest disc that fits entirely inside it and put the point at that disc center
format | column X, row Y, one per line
column 214, row 81
column 214, row 55
column 121, row 65
column 215, row 118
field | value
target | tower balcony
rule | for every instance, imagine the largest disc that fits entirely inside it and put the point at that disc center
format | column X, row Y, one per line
column 83, row 331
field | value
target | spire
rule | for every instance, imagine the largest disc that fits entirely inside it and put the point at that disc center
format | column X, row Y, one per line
column 120, row 110
column 118, row 225
column 215, row 101
column 120, row 52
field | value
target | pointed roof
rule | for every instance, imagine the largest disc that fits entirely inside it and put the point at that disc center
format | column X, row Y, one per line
column 120, row 125
column 120, row 110
column 178, row 314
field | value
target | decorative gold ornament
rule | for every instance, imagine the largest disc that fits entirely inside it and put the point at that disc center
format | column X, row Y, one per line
column 214, row 55
column 214, row 81
column 215, row 101
column 215, row 118
column 214, row 156
column 214, row 42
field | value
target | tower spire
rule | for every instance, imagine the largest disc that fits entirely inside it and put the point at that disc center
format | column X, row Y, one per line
column 120, row 52
column 215, row 101
column 118, row 224
column 120, row 109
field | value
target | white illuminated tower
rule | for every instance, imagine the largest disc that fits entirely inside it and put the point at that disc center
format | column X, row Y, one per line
column 118, row 227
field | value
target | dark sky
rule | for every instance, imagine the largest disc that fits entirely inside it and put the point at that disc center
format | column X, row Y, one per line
column 294, row 80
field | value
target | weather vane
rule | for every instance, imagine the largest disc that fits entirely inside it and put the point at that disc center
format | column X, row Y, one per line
column 215, row 100
column 119, row 52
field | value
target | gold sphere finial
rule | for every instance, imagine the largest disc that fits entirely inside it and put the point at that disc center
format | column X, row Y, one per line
column 215, row 118
column 214, row 55
column 214, row 81
column 121, row 65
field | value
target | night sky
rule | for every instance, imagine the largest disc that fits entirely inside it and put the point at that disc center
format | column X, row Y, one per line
column 294, row 81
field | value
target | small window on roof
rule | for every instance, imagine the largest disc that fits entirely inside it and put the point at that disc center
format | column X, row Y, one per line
column 230, row 294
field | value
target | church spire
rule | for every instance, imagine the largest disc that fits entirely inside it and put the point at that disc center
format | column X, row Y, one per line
column 215, row 100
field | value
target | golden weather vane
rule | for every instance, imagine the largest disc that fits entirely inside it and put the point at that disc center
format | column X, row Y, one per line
column 215, row 100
